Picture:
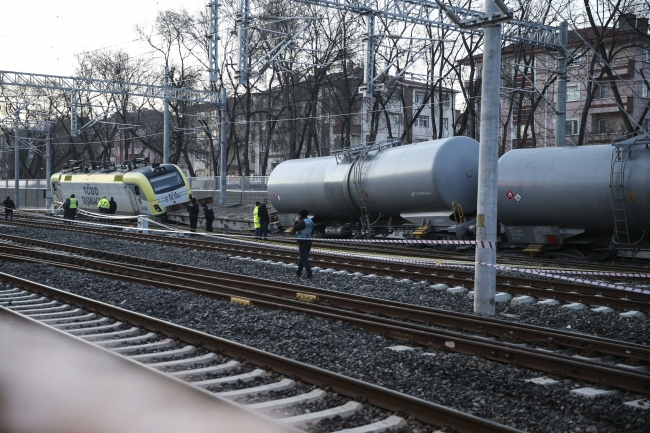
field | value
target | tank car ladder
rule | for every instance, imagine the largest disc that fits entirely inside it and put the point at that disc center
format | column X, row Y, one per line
column 366, row 227
column 621, row 238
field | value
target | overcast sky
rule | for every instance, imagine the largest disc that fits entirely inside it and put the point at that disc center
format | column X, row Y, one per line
column 42, row 36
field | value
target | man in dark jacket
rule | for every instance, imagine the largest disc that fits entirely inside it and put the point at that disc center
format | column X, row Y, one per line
column 9, row 208
column 303, row 227
column 208, row 213
column 72, row 209
column 265, row 219
column 193, row 210
column 112, row 206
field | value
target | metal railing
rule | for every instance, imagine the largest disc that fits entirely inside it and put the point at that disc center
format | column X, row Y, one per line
column 239, row 189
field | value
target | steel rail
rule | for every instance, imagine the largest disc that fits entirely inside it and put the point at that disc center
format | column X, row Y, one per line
column 430, row 316
column 539, row 288
column 469, row 256
column 422, row 410
column 446, row 340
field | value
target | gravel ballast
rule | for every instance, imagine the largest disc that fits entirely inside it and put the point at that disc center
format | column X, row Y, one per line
column 470, row 384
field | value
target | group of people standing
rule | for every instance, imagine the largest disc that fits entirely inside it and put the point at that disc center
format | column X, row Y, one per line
column 303, row 227
column 106, row 207
column 193, row 210
column 70, row 206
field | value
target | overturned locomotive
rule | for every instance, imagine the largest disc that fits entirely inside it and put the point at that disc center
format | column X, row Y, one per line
column 137, row 186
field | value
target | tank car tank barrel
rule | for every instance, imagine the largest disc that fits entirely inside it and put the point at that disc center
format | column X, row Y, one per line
column 486, row 222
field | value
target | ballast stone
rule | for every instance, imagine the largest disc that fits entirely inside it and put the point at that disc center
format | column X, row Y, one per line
column 589, row 392
column 439, row 287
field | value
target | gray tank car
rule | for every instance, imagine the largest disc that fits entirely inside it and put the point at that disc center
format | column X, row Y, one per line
column 563, row 195
column 417, row 182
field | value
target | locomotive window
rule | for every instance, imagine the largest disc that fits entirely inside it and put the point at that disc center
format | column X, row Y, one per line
column 137, row 190
column 166, row 182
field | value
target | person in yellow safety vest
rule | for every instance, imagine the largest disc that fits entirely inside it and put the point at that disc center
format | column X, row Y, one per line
column 104, row 205
column 72, row 208
column 256, row 220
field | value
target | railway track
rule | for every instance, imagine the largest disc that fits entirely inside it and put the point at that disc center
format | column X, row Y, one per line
column 378, row 316
column 554, row 289
column 467, row 256
column 229, row 369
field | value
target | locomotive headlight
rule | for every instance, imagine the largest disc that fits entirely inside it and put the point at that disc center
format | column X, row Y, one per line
column 157, row 208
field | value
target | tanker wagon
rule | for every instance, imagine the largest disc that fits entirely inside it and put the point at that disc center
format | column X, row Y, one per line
column 426, row 188
column 595, row 196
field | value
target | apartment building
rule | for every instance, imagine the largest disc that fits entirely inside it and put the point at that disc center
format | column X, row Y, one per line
column 409, row 111
column 607, row 93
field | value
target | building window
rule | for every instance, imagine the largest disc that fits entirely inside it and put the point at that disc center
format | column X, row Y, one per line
column 527, row 99
column 518, row 131
column 573, row 92
column 603, row 92
column 602, row 126
column 646, row 89
column 572, row 127
column 419, row 98
column 646, row 125
column 395, row 119
column 647, row 54
column 445, row 124
column 422, row 121
column 446, row 100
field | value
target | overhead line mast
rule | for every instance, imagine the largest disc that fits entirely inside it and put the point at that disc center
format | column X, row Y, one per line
column 488, row 24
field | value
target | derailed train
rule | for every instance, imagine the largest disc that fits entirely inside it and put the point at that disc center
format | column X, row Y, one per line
column 570, row 195
column 138, row 187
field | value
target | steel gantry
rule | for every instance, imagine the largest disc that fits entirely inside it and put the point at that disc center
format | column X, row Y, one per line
column 75, row 85
column 245, row 69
